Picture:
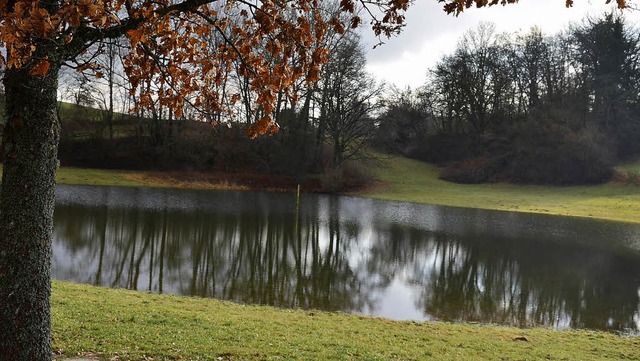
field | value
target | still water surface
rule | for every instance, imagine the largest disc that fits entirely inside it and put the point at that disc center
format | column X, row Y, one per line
column 389, row 259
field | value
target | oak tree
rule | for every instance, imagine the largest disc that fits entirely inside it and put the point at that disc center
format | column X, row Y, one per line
column 348, row 96
column 457, row 6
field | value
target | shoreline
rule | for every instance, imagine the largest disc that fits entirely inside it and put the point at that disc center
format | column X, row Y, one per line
column 405, row 180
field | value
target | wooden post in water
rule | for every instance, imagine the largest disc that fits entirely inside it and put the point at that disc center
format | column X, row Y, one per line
column 297, row 211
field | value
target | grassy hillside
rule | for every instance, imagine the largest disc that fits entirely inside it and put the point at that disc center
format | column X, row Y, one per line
column 66, row 110
column 413, row 181
column 127, row 325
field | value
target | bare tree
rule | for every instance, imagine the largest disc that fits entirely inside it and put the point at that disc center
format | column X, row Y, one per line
column 348, row 97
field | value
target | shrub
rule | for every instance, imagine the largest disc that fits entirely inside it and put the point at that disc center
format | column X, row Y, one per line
column 555, row 154
column 446, row 148
column 331, row 181
column 627, row 135
column 548, row 147
column 352, row 175
column 469, row 171
column 355, row 175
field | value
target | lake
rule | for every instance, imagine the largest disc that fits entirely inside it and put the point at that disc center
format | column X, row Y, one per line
column 395, row 260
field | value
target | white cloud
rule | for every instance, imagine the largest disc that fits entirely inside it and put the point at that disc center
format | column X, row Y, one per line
column 430, row 33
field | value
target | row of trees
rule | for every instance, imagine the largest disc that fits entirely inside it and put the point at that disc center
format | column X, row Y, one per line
column 321, row 124
column 527, row 108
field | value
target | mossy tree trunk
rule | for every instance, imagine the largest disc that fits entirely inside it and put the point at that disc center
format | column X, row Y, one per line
column 30, row 146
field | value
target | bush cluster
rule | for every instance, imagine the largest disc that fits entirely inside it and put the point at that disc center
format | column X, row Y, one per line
column 537, row 150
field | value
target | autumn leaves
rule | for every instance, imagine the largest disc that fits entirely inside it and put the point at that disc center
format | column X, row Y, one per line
column 182, row 52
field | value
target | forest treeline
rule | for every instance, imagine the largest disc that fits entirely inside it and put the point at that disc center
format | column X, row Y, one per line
column 525, row 108
column 320, row 136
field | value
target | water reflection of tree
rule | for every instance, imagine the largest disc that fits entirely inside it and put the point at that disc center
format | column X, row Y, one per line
column 334, row 263
column 251, row 257
column 531, row 283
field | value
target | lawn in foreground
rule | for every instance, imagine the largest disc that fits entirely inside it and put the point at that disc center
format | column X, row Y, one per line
column 132, row 325
column 409, row 180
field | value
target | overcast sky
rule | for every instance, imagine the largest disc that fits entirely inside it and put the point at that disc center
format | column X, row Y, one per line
column 430, row 33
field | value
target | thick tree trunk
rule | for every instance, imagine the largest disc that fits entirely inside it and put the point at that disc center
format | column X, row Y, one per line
column 30, row 145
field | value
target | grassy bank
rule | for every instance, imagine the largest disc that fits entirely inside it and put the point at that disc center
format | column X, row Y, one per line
column 413, row 181
column 138, row 326
column 190, row 180
column 101, row 177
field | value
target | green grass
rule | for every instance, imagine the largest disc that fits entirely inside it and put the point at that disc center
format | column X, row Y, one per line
column 68, row 109
column 101, row 177
column 95, row 177
column 413, row 181
column 138, row 326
